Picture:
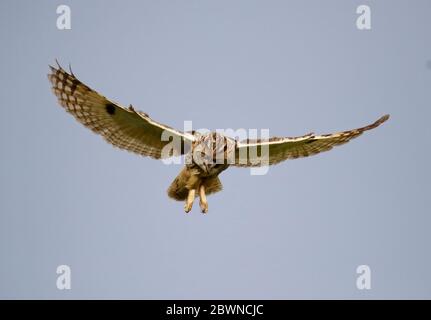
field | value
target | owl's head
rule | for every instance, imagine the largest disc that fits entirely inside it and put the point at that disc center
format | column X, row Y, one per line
column 209, row 151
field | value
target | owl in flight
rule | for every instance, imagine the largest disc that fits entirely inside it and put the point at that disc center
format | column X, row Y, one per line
column 206, row 155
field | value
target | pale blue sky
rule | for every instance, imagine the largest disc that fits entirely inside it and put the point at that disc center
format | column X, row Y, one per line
column 300, row 231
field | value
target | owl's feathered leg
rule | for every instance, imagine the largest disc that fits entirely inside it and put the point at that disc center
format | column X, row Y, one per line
column 189, row 201
column 203, row 203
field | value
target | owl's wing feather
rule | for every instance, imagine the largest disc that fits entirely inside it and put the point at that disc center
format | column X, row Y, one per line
column 124, row 128
column 250, row 153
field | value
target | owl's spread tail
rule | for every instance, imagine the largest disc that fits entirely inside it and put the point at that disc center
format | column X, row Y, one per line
column 177, row 192
column 179, row 188
column 213, row 185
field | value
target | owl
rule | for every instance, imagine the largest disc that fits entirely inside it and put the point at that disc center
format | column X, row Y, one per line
column 206, row 154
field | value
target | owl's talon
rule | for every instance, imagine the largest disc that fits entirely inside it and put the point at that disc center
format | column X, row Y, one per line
column 187, row 208
column 189, row 202
column 204, row 206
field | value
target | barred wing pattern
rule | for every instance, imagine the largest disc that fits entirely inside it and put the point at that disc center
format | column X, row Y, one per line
column 281, row 149
column 124, row 128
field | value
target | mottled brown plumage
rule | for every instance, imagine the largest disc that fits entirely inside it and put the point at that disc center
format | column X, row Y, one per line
column 207, row 155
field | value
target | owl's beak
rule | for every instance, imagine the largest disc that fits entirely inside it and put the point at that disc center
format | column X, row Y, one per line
column 206, row 167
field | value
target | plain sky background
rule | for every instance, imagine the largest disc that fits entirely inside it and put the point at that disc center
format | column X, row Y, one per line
column 68, row 197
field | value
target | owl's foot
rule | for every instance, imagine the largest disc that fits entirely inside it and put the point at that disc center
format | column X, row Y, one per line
column 203, row 203
column 188, row 207
column 204, row 206
column 189, row 202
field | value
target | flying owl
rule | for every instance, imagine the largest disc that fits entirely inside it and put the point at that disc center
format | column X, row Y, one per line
column 206, row 155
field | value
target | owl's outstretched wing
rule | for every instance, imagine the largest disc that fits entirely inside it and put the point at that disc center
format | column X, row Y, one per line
column 124, row 128
column 250, row 153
